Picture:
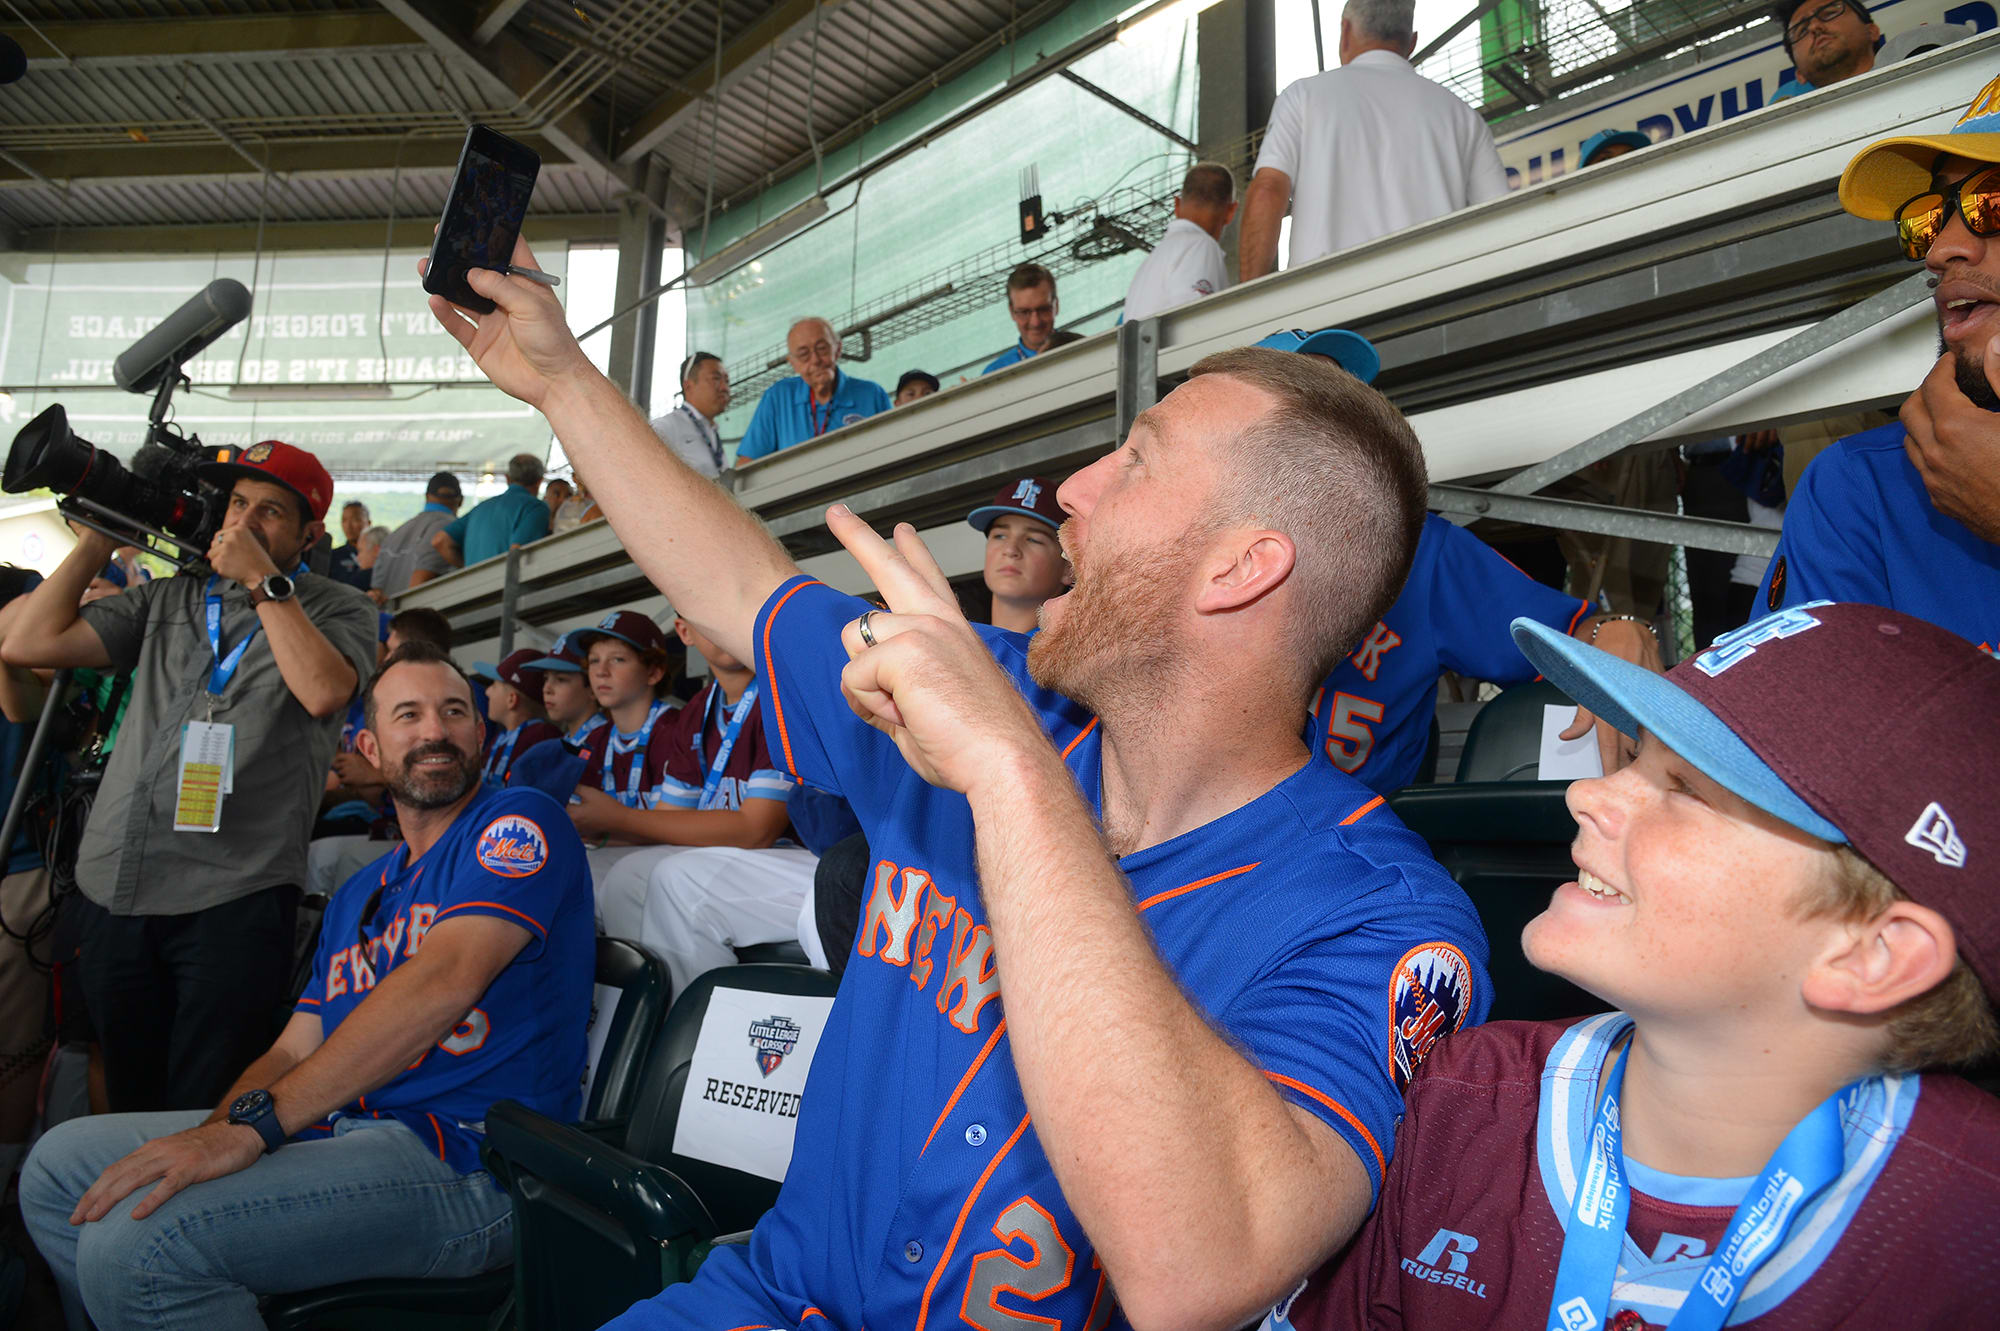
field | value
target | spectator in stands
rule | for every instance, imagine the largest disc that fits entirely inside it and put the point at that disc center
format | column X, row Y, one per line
column 1793, row 939
column 1188, row 262
column 1032, row 305
column 555, row 494
column 818, row 396
column 187, row 936
column 578, row 509
column 370, row 553
column 1908, row 515
column 515, row 516
column 1024, row 558
column 514, row 706
column 453, row 973
column 689, row 429
column 1828, row 40
column 567, row 698
column 1373, row 712
column 1363, row 150
column 408, row 558
column 1606, row 144
column 1256, row 521
column 346, row 565
column 913, row 385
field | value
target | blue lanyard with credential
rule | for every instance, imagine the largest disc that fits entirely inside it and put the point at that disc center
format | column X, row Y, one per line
column 1810, row 1158
column 712, row 782
column 503, row 749
column 225, row 666
column 636, row 770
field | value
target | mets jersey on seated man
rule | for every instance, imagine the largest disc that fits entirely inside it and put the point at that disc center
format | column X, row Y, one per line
column 513, row 854
column 1309, row 925
column 1469, row 1232
column 1372, row 716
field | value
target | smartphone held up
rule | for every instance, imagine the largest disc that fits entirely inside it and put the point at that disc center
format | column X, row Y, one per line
column 482, row 215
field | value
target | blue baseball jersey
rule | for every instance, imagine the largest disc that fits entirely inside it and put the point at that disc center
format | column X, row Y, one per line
column 1372, row 716
column 512, row 854
column 787, row 415
column 1013, row 355
column 1861, row 527
column 1309, row 925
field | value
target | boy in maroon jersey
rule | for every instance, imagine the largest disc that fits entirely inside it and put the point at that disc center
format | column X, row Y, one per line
column 1790, row 897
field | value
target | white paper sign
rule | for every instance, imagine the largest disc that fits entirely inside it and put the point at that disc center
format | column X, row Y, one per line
column 603, row 1006
column 747, row 1079
column 1567, row 759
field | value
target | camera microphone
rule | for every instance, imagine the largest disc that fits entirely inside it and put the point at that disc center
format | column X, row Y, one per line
column 211, row 312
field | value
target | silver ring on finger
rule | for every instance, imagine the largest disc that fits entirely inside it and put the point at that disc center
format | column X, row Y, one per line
column 861, row 627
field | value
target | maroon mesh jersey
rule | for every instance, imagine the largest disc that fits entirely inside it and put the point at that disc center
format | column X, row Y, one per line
column 1467, row 1235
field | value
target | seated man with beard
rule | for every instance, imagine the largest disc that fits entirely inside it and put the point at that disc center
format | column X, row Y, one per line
column 453, row 972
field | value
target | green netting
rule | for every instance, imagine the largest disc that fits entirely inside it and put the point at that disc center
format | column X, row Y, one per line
column 929, row 239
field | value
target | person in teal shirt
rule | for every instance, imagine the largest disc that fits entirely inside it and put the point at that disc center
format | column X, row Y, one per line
column 515, row 516
column 817, row 399
column 1032, row 305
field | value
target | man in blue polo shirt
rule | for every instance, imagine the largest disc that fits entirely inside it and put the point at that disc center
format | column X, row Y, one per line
column 1032, row 305
column 816, row 399
column 1908, row 515
column 515, row 516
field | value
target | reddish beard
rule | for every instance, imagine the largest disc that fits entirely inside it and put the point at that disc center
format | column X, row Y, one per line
column 1118, row 625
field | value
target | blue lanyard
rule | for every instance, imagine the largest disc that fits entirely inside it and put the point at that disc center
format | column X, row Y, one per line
column 713, row 781
column 1810, row 1158
column 225, row 666
column 503, row 752
column 635, row 771
column 708, row 434
column 591, row 725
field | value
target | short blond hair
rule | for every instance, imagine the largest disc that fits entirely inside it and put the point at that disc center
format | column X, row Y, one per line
column 1952, row 1024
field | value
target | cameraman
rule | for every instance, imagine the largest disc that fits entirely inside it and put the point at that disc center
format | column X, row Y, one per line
column 187, row 936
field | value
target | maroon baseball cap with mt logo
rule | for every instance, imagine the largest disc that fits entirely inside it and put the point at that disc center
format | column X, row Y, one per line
column 1030, row 497
column 1863, row 726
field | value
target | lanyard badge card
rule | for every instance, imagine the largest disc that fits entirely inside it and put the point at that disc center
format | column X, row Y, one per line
column 205, row 776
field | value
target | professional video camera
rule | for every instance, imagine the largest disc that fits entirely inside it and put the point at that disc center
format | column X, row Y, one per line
column 159, row 501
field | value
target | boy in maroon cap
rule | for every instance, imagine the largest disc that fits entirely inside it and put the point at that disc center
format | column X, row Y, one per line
column 1024, row 556
column 1793, row 908
column 514, row 705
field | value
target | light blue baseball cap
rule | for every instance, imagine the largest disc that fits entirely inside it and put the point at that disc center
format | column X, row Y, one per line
column 1608, row 138
column 1350, row 351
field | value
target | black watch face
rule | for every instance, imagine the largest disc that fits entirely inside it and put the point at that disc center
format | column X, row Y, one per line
column 278, row 586
column 249, row 1103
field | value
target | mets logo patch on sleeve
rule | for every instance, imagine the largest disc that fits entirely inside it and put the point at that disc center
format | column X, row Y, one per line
column 512, row 846
column 1429, row 997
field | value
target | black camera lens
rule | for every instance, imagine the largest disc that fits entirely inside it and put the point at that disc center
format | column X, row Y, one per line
column 47, row 455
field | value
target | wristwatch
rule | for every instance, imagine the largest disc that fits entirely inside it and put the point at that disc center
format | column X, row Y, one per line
column 256, row 1109
column 274, row 587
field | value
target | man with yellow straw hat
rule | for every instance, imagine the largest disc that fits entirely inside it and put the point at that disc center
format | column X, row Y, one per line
column 1908, row 515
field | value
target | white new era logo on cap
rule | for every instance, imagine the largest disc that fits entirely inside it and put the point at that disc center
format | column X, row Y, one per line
column 1933, row 832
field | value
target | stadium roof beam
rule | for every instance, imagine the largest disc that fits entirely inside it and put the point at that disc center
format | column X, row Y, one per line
column 110, row 43
column 778, row 27
column 290, row 237
column 493, row 16
column 153, row 163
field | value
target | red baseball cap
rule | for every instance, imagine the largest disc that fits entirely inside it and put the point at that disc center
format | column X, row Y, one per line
column 627, row 626
column 1031, row 497
column 288, row 465
column 1863, row 726
column 515, row 669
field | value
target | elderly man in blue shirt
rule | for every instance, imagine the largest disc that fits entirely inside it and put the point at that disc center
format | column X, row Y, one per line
column 515, row 516
column 816, row 399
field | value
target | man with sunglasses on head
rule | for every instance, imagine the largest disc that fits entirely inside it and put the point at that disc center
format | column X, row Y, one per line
column 1908, row 515
column 1828, row 40
column 453, row 972
column 689, row 429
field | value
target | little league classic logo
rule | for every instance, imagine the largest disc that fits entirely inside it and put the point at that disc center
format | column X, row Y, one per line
column 512, row 846
column 773, row 1038
column 1429, row 998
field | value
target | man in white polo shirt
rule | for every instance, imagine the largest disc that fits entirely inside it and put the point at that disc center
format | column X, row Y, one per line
column 1363, row 150
column 689, row 429
column 1187, row 264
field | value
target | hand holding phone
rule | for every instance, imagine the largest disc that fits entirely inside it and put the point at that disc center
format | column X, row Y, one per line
column 482, row 215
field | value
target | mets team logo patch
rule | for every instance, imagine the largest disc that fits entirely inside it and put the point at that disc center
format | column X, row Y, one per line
column 512, row 846
column 773, row 1038
column 1430, row 996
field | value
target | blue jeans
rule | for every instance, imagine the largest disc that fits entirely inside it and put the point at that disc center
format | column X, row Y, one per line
column 370, row 1201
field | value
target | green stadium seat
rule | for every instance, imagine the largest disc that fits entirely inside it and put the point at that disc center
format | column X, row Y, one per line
column 1504, row 742
column 484, row 1302
column 1507, row 844
column 599, row 1226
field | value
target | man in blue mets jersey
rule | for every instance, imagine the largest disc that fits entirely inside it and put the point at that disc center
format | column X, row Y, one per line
column 1221, row 957
column 451, row 973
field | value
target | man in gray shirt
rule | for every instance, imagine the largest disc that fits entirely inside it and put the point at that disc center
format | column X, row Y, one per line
column 407, row 558
column 187, row 935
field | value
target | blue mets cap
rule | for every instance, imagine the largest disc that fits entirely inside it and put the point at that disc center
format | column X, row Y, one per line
column 551, row 767
column 1610, row 138
column 1350, row 351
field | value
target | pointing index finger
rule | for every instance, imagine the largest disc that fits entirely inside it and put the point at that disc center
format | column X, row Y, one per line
column 903, row 588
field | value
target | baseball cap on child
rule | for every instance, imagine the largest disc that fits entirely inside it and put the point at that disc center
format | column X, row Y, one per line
column 516, row 668
column 1861, row 725
column 1030, row 496
column 628, row 626
column 565, row 655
